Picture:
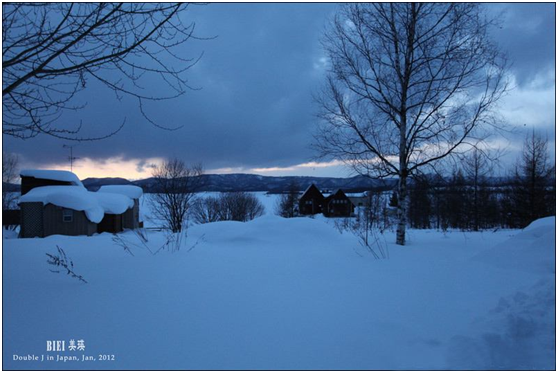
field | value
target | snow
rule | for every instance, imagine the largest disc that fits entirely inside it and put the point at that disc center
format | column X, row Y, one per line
column 95, row 205
column 53, row 175
column 278, row 294
column 71, row 197
column 113, row 203
column 132, row 191
column 531, row 250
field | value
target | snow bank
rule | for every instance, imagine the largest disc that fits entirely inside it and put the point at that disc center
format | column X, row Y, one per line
column 518, row 332
column 131, row 191
column 543, row 223
column 53, row 175
column 95, row 205
column 531, row 250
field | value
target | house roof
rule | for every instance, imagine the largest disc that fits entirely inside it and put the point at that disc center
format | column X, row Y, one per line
column 94, row 205
column 311, row 188
column 58, row 175
column 338, row 194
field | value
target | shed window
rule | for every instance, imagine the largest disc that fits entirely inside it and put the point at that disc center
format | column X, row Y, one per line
column 67, row 216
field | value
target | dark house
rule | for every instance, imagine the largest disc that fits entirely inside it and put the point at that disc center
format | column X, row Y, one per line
column 56, row 202
column 311, row 201
column 338, row 205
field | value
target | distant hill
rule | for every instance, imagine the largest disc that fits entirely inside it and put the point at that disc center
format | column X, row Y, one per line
column 272, row 184
column 258, row 183
column 93, row 183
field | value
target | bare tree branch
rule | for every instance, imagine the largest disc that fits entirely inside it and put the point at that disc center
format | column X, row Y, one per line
column 51, row 50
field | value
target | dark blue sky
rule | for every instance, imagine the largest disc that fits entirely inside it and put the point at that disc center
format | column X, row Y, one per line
column 255, row 111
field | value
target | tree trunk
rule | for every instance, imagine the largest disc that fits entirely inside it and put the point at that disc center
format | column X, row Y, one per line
column 402, row 210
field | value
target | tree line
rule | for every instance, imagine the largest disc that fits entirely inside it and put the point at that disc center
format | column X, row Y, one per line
column 468, row 200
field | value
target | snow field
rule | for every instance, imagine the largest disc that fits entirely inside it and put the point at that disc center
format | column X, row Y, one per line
column 279, row 293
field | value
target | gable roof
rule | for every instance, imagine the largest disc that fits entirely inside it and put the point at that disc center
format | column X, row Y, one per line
column 312, row 189
column 339, row 194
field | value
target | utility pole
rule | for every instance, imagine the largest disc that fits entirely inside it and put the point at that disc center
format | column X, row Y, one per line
column 71, row 157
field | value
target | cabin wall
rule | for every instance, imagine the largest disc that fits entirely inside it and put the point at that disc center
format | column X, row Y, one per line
column 54, row 224
column 111, row 223
column 340, row 208
column 131, row 217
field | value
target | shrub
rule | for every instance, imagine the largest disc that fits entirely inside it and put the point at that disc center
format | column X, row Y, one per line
column 236, row 206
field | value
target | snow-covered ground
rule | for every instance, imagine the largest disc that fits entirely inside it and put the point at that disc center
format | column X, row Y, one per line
column 279, row 293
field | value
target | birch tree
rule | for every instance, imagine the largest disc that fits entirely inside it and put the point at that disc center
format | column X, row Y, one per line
column 409, row 84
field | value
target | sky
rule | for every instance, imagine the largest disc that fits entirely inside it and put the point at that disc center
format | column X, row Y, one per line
column 255, row 111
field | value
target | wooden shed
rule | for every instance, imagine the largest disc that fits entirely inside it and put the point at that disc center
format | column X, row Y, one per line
column 65, row 207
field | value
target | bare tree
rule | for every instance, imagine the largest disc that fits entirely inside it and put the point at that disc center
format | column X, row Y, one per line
column 235, row 206
column 9, row 176
column 478, row 166
column 51, row 51
column 175, row 185
column 240, row 206
column 207, row 210
column 410, row 83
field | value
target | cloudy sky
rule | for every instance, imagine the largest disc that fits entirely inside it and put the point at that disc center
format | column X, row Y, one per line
column 255, row 112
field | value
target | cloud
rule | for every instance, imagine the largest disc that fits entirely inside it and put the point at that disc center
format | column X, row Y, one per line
column 255, row 110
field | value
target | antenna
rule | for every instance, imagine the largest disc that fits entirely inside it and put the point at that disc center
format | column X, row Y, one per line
column 71, row 157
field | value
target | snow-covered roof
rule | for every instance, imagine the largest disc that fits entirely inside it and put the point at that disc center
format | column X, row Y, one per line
column 58, row 175
column 131, row 191
column 95, row 205
column 113, row 203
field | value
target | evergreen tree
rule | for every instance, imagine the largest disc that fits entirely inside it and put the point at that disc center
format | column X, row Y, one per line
column 531, row 195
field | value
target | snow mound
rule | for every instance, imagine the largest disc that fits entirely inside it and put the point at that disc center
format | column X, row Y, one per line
column 131, row 191
column 541, row 224
column 531, row 250
column 95, row 205
column 58, row 175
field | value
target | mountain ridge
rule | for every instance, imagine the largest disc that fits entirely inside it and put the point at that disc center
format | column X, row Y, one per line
column 258, row 183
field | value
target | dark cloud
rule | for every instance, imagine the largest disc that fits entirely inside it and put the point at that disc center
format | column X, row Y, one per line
column 527, row 33
column 255, row 108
